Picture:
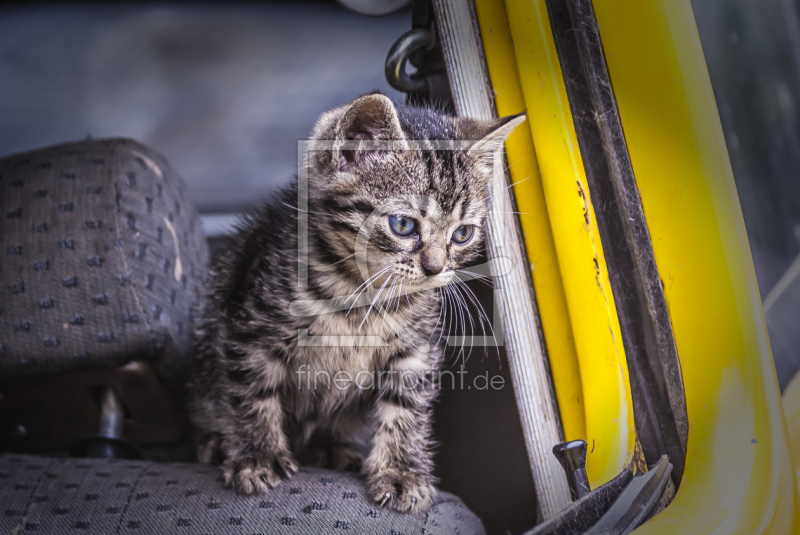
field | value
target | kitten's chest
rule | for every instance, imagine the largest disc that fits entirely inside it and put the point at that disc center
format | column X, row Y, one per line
column 339, row 359
column 339, row 343
column 328, row 379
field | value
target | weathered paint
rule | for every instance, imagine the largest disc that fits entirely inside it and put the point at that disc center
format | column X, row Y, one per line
column 601, row 372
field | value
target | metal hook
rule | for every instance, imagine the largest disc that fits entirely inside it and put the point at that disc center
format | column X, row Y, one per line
column 407, row 44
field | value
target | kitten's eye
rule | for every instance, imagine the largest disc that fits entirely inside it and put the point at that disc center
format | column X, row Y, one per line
column 402, row 225
column 463, row 234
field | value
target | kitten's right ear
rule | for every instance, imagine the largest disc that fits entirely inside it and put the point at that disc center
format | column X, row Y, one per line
column 368, row 118
column 491, row 134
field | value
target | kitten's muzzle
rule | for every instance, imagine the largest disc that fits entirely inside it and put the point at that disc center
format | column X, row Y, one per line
column 433, row 261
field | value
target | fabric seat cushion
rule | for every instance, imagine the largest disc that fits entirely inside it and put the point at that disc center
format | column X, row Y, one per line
column 95, row 496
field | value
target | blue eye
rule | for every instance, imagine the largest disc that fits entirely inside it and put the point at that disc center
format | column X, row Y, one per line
column 402, row 225
column 463, row 234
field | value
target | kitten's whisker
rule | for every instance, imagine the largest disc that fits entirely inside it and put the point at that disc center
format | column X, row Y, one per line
column 465, row 308
column 466, row 291
column 355, row 301
column 356, row 293
column 483, row 279
column 305, row 211
column 366, row 287
column 462, row 312
column 517, row 213
column 482, row 312
column 469, row 315
column 372, row 278
column 399, row 285
column 450, row 311
column 504, row 189
column 386, row 305
column 410, row 179
column 515, row 162
column 454, row 309
column 365, row 284
column 382, row 302
column 442, row 315
column 399, row 298
column 438, row 319
column 447, row 316
column 340, row 261
column 443, row 331
column 472, row 275
column 375, row 298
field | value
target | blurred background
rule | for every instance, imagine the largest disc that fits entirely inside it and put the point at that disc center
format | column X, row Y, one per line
column 225, row 91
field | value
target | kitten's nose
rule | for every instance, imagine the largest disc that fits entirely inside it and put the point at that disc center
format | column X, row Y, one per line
column 432, row 262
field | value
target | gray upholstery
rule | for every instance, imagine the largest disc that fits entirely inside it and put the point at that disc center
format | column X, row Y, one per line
column 92, row 496
column 101, row 251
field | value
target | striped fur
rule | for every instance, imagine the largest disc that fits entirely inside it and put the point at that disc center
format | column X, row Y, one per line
column 265, row 391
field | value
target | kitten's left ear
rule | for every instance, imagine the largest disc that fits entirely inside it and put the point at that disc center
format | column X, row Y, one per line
column 490, row 135
column 372, row 118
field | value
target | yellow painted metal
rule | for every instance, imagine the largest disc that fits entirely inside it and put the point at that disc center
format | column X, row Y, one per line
column 739, row 476
column 529, row 195
column 791, row 406
column 608, row 413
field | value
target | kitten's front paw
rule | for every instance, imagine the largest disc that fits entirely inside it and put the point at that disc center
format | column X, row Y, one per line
column 404, row 491
column 248, row 475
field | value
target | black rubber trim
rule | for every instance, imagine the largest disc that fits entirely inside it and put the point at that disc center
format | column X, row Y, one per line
column 640, row 498
column 659, row 403
column 582, row 514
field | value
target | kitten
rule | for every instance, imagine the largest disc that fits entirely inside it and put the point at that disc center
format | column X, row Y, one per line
column 386, row 229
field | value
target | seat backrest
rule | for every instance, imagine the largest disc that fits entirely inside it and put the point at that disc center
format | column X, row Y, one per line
column 102, row 255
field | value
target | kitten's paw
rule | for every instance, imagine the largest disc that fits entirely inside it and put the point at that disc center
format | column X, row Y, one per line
column 404, row 491
column 249, row 475
column 344, row 457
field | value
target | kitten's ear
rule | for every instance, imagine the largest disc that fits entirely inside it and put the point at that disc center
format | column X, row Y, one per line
column 490, row 135
column 372, row 118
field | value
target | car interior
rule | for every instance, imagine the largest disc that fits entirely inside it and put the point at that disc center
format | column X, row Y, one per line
column 160, row 124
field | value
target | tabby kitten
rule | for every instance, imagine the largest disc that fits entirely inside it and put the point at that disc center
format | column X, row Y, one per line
column 328, row 371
